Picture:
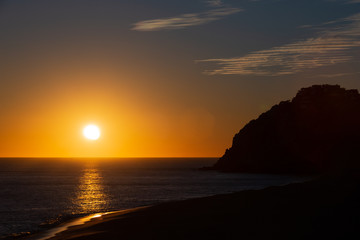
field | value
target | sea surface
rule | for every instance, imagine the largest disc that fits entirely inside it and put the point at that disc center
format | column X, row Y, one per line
column 36, row 194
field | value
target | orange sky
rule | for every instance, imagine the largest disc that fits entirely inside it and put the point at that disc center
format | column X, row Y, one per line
column 48, row 122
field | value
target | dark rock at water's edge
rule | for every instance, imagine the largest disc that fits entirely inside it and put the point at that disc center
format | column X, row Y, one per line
column 317, row 131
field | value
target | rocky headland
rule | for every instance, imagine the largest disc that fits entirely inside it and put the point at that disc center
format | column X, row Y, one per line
column 316, row 132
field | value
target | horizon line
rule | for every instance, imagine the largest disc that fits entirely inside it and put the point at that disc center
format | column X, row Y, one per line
column 100, row 157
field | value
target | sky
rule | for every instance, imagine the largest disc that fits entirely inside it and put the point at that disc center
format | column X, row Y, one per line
column 174, row 78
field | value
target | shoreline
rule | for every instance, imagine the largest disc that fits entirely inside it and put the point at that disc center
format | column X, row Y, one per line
column 77, row 222
column 317, row 209
column 224, row 183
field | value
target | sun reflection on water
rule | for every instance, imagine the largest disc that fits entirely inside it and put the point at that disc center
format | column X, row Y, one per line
column 90, row 196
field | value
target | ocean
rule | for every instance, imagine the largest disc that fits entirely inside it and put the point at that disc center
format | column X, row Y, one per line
column 37, row 194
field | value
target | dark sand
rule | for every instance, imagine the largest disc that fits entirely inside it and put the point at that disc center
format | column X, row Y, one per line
column 320, row 209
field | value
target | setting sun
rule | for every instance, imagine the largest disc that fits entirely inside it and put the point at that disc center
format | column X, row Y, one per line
column 91, row 132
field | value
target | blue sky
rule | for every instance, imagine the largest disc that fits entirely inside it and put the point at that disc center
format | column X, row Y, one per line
column 168, row 60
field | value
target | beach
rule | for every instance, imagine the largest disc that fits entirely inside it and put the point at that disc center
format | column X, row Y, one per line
column 325, row 208
column 47, row 192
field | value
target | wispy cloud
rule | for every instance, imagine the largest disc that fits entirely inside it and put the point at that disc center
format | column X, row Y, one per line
column 215, row 3
column 333, row 75
column 185, row 20
column 330, row 46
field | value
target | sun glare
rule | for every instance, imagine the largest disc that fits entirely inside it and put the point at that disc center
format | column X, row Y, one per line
column 91, row 132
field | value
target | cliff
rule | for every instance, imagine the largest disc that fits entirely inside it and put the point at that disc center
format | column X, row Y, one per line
column 317, row 131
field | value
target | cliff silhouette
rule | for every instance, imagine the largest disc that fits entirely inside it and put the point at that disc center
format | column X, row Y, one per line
column 317, row 131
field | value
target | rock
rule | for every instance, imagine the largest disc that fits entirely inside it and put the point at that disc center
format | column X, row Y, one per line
column 317, row 131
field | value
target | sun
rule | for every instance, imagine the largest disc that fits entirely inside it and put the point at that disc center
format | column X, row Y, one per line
column 91, row 132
